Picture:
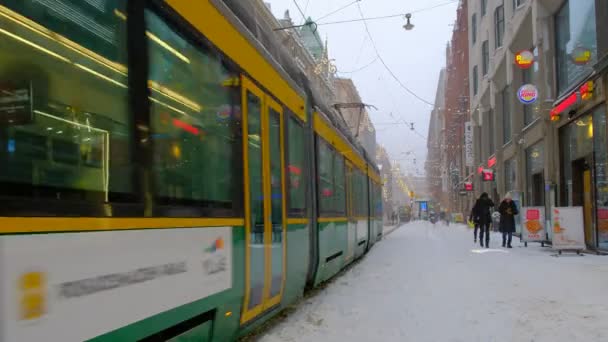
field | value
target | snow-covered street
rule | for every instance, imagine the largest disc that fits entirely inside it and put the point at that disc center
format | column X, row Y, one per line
column 431, row 283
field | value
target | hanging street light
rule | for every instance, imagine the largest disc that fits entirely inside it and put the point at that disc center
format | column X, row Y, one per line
column 408, row 25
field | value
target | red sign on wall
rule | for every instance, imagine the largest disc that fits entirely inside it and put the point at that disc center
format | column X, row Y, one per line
column 492, row 162
column 468, row 186
column 487, row 175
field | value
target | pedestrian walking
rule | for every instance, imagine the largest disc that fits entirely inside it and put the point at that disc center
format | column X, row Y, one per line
column 475, row 219
column 507, row 210
column 483, row 211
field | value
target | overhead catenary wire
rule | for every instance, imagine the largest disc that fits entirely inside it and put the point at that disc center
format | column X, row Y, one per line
column 388, row 16
column 361, row 68
column 371, row 38
column 338, row 10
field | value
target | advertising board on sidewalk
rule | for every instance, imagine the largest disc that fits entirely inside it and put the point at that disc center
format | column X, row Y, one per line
column 533, row 224
column 568, row 228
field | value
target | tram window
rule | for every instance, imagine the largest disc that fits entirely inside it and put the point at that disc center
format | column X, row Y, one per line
column 340, row 182
column 296, row 168
column 325, row 178
column 195, row 108
column 64, row 118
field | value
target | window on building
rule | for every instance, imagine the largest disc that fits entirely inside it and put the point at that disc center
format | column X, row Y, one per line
column 510, row 174
column 484, row 7
column 296, row 168
column 65, row 131
column 499, row 25
column 491, row 135
column 475, row 81
column 576, row 38
column 529, row 76
column 193, row 115
column 485, row 55
column 474, row 28
column 518, row 3
column 535, row 183
column 506, row 114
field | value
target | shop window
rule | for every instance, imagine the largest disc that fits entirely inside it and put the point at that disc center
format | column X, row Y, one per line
column 195, row 104
column 535, row 165
column 576, row 40
column 600, row 143
column 65, row 130
column 510, row 174
column 296, row 168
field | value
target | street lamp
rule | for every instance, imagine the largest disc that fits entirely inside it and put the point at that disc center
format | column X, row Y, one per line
column 408, row 26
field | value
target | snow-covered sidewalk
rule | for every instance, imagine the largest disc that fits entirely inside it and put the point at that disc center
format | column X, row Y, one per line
column 429, row 282
column 389, row 229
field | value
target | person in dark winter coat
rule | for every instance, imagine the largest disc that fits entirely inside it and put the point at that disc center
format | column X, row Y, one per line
column 475, row 219
column 507, row 210
column 483, row 210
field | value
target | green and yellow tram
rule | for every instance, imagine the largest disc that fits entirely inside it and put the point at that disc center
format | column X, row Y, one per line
column 162, row 178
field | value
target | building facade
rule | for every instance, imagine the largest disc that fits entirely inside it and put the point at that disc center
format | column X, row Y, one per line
column 357, row 118
column 453, row 111
column 537, row 70
column 432, row 166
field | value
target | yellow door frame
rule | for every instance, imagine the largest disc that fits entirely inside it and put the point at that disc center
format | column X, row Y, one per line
column 266, row 103
column 249, row 87
column 270, row 302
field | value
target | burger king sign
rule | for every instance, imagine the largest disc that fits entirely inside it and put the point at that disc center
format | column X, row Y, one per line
column 527, row 94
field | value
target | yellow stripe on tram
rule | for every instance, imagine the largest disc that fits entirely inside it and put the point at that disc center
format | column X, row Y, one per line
column 14, row 225
column 331, row 219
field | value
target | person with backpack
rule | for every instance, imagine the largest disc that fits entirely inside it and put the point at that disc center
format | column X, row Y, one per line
column 507, row 210
column 483, row 210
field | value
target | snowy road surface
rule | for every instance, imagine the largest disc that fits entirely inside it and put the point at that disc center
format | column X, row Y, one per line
column 425, row 283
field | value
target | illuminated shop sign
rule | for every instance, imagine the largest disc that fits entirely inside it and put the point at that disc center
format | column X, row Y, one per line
column 491, row 161
column 524, row 59
column 487, row 175
column 527, row 94
column 584, row 93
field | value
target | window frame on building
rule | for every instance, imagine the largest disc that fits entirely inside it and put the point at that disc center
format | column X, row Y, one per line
column 474, row 28
column 507, row 124
column 563, row 63
column 485, row 57
column 491, row 135
column 475, row 81
column 499, row 25
column 484, row 7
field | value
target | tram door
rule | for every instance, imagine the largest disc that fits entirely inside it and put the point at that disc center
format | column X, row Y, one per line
column 265, row 247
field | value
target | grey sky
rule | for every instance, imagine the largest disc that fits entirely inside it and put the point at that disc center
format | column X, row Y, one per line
column 416, row 58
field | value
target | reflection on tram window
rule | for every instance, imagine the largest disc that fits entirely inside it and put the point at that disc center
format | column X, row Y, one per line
column 63, row 100
column 194, row 99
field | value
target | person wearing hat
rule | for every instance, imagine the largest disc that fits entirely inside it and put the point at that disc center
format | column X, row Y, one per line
column 482, row 211
column 507, row 210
